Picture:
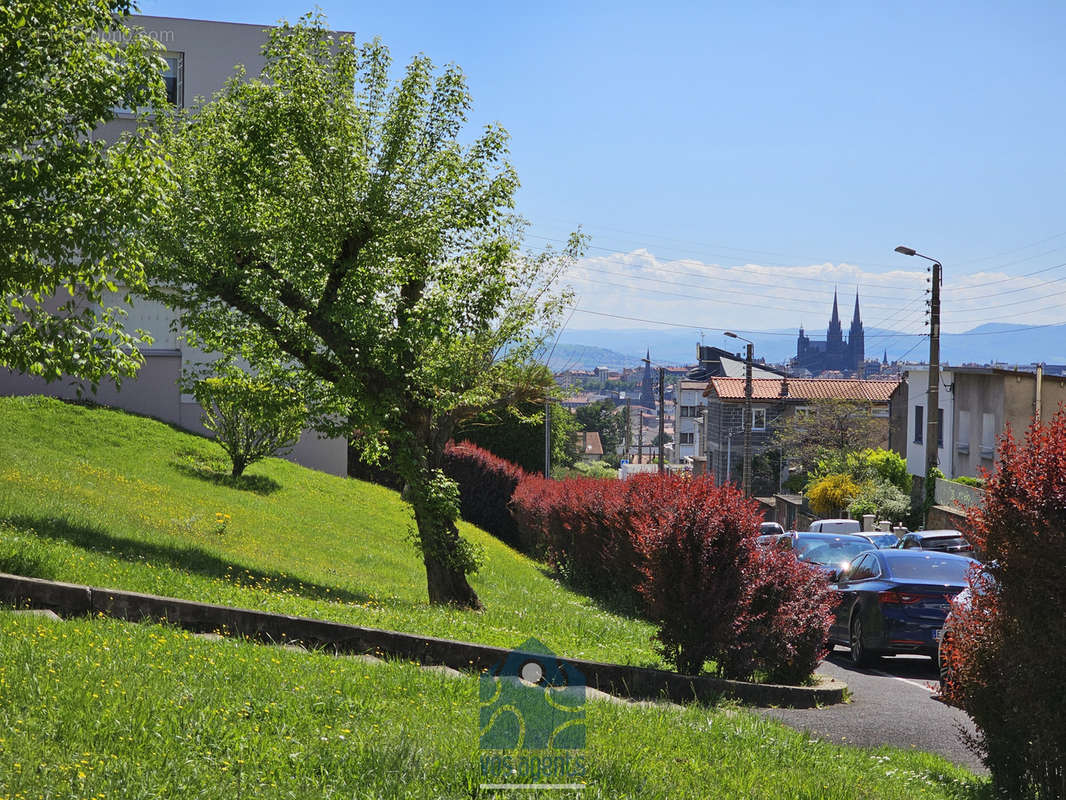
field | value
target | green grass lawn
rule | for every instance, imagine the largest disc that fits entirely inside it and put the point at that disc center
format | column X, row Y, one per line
column 104, row 709
column 100, row 497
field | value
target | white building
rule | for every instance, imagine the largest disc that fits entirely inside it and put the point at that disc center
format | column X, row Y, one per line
column 688, row 406
column 917, row 418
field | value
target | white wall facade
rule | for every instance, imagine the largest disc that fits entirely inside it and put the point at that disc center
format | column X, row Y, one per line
column 918, row 397
column 689, row 403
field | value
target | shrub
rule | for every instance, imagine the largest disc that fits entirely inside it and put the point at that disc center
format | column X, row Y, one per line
column 585, row 469
column 582, row 526
column 882, row 499
column 696, row 556
column 966, row 480
column 682, row 550
column 830, row 494
column 788, row 611
column 1008, row 653
column 486, row 484
column 251, row 417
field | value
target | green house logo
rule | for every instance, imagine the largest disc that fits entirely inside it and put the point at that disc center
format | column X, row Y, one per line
column 532, row 701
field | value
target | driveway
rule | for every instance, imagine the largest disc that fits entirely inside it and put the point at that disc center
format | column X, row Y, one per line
column 891, row 704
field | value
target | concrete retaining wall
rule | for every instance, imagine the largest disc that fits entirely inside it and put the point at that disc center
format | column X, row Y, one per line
column 635, row 682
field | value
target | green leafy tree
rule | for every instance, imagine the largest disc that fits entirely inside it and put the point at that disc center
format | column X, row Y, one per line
column 828, row 429
column 518, row 435
column 70, row 202
column 343, row 225
column 871, row 464
column 603, row 418
column 252, row 417
column 882, row 499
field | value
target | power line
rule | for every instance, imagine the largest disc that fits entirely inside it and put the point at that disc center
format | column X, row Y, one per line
column 690, row 294
column 733, row 279
column 647, row 236
column 621, row 251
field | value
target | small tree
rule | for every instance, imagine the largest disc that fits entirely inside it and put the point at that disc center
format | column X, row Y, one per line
column 828, row 429
column 251, row 417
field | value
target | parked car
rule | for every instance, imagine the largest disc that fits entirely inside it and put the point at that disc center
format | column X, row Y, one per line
column 881, row 540
column 893, row 602
column 831, row 552
column 943, row 541
column 768, row 532
column 835, row 526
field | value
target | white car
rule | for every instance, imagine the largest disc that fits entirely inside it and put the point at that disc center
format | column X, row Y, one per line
column 836, row 526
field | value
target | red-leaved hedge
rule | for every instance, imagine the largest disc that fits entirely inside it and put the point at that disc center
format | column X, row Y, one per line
column 486, row 484
column 1007, row 651
column 683, row 551
column 581, row 525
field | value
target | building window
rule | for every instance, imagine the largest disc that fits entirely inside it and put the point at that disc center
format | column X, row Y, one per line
column 687, row 437
column 962, row 435
column 758, row 419
column 690, row 411
column 919, row 434
column 173, row 82
column 988, row 435
column 172, row 79
column 940, row 427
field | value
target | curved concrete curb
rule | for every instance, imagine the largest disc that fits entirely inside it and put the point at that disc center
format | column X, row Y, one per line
column 637, row 683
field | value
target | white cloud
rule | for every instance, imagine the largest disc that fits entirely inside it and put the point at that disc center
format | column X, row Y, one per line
column 760, row 297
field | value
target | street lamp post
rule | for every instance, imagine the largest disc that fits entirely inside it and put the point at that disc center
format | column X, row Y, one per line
column 746, row 481
column 933, row 403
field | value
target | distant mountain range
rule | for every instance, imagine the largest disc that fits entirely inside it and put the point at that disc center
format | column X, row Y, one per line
column 988, row 343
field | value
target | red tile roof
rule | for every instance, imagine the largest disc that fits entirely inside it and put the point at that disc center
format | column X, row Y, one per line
column 802, row 389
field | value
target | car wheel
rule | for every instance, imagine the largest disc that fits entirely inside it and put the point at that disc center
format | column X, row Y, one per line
column 860, row 656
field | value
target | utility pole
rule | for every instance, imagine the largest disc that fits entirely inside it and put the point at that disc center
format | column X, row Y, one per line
column 747, row 420
column 629, row 429
column 662, row 410
column 933, row 409
column 547, row 438
column 640, row 438
column 933, row 403
column 746, row 479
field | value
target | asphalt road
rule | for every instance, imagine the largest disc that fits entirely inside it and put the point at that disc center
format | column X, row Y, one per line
column 891, row 704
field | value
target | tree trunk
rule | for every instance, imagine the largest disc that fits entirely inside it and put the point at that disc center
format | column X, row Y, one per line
column 441, row 553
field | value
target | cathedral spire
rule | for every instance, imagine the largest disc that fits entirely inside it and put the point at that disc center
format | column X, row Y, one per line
column 836, row 314
column 856, row 320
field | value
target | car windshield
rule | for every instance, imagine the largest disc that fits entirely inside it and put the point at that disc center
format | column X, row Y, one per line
column 941, row 569
column 827, row 551
column 944, row 543
column 884, row 539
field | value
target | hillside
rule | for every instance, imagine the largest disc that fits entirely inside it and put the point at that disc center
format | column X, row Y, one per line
column 101, row 497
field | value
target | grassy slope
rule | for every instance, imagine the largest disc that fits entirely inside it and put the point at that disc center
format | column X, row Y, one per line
column 96, row 496
column 97, row 708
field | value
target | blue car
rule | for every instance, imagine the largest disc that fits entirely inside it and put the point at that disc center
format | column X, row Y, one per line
column 892, row 602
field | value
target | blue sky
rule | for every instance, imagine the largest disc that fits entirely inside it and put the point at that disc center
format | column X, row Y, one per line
column 742, row 159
